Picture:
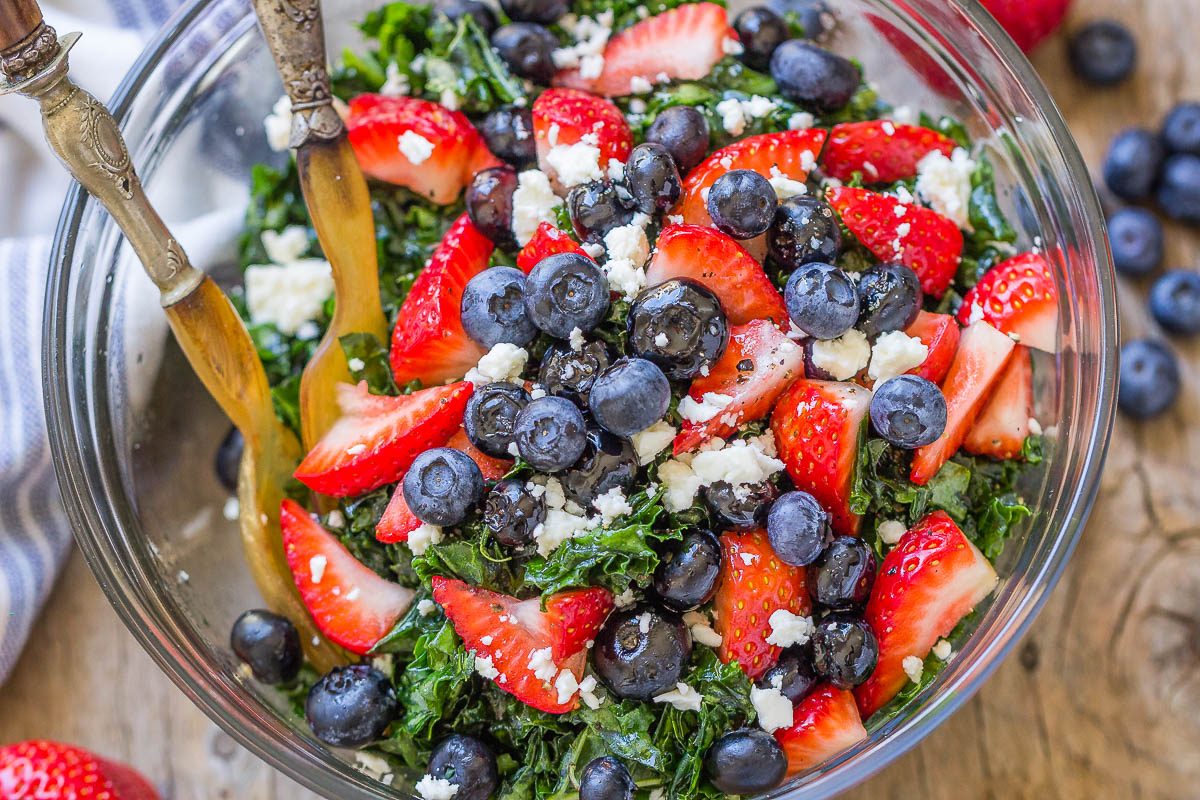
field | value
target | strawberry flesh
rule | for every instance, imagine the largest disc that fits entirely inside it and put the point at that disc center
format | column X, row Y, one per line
column 1028, row 22
column 1017, row 296
column 351, row 605
column 824, row 724
column 1003, row 424
column 930, row 580
column 547, row 241
column 52, row 770
column 754, row 585
column 755, row 369
column 882, row 151
column 817, row 425
column 428, row 342
column 378, row 437
column 508, row 632
column 982, row 353
column 711, row 258
column 569, row 116
column 939, row 333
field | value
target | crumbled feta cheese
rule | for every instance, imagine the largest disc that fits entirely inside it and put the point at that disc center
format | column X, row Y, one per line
column 905, row 115
column 288, row 295
column 285, row 246
column 742, row 462
column 644, row 622
column 943, row 650
column 534, row 202
column 681, row 485
column 637, row 106
column 639, row 85
column 513, row 450
column 652, row 441
column 576, row 339
column 485, row 667
column 1035, row 427
column 396, row 83
column 425, row 535
column 535, row 393
column 945, row 184
column 415, row 147
column 675, row 219
column 278, row 125
column 356, row 364
column 426, row 607
column 316, row 568
column 558, row 526
column 612, row 504
column 616, row 170
column 801, row 120
column 732, row 47
column 625, row 277
column 566, row 684
column 587, row 693
column 844, row 357
column 555, row 496
column 895, row 353
column 702, row 630
column 661, row 340
column 576, row 163
column 593, row 249
column 784, row 186
column 353, row 594
column 624, row 599
column 914, row 668
column 808, row 161
column 683, row 697
column 505, row 361
column 709, row 406
column 374, row 766
column 431, row 788
column 448, row 99
column 486, row 640
column 658, row 793
column 788, row 629
column 736, row 114
column 890, row 531
column 628, row 242
column 591, row 35
column 541, row 664
column 232, row 509
column 775, row 711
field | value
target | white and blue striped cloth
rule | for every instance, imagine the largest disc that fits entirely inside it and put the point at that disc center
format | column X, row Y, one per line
column 35, row 536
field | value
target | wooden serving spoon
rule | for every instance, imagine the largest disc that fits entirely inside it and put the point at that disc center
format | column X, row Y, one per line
column 82, row 133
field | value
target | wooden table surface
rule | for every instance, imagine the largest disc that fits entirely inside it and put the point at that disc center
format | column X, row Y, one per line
column 1101, row 700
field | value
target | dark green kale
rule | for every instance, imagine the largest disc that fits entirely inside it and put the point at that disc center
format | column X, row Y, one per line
column 356, row 530
column 627, row 12
column 472, row 554
column 368, row 360
column 275, row 203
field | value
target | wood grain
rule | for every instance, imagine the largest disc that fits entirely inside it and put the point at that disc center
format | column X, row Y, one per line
column 1102, row 699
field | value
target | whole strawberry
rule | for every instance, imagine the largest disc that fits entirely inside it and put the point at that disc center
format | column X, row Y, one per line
column 41, row 769
column 1028, row 22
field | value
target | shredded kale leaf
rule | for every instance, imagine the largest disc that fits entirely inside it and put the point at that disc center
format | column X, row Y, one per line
column 373, row 355
column 474, row 556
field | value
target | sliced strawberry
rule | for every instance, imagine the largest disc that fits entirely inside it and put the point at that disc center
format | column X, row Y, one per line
column 824, row 724
column 882, row 151
column 428, row 342
column 757, row 366
column 508, row 631
column 921, row 61
column 40, row 769
column 377, row 437
column 568, row 116
column 930, row 580
column 350, row 604
column 710, row 257
column 547, row 241
column 919, row 238
column 817, row 426
column 939, row 333
column 1017, row 296
column 754, row 585
column 1003, row 424
column 982, row 353
column 1028, row 22
column 398, row 521
column 684, row 43
column 384, row 133
column 794, row 153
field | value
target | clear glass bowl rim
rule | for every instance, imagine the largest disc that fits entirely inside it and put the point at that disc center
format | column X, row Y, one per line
column 176, row 652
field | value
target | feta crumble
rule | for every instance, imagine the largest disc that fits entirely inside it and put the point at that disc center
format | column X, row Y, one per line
column 639, row 85
column 566, row 685
column 505, row 361
column 591, row 35
column 683, row 697
column 784, row 186
column 788, row 629
column 541, row 664
column 1035, row 427
column 576, row 339
column 709, row 406
column 534, row 202
column 736, row 114
column 421, row 538
column 844, row 357
column 775, row 711
column 415, row 147
column 612, row 504
column 374, row 766
column 278, row 125
column 285, row 246
column 732, row 47
column 703, row 633
column 890, row 531
column 288, row 295
column 943, row 650
column 431, row 788
column 576, row 163
column 395, row 83
column 741, row 462
column 232, row 508
column 625, row 277
column 801, row 120
column 945, row 184
column 913, row 667
column 895, row 353
column 628, row 242
column 316, row 568
column 644, row 622
column 624, row 599
column 356, row 364
column 652, row 441
column 485, row 667
column 426, row 607
column 587, row 693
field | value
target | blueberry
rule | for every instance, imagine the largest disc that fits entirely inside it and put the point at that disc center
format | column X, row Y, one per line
column 798, row 528
column 544, row 11
column 527, row 49
column 608, row 462
column 550, row 433
column 746, row 761
column 1136, row 236
column 566, row 291
column 688, row 570
column 794, row 673
column 269, row 644
column 821, row 300
column 680, row 326
column 493, row 308
column 889, row 298
column 1103, row 53
column 683, row 130
column 804, row 230
column 570, row 373
column 489, row 200
column 441, row 486
column 229, row 459
column 1149, row 380
column 760, row 30
column 508, row 132
column 653, row 178
column 490, row 419
column 1179, row 189
column 629, row 396
column 606, row 778
column 511, row 512
column 1181, row 129
column 909, row 411
column 597, row 207
column 641, row 652
column 742, row 507
column 1175, row 301
column 844, row 573
column 1132, row 163
column 813, row 76
column 350, row 706
column 813, row 16
column 467, row 763
column 742, row 203
column 455, row 9
column 845, row 650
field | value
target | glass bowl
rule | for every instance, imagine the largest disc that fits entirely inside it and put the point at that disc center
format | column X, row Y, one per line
column 134, row 434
